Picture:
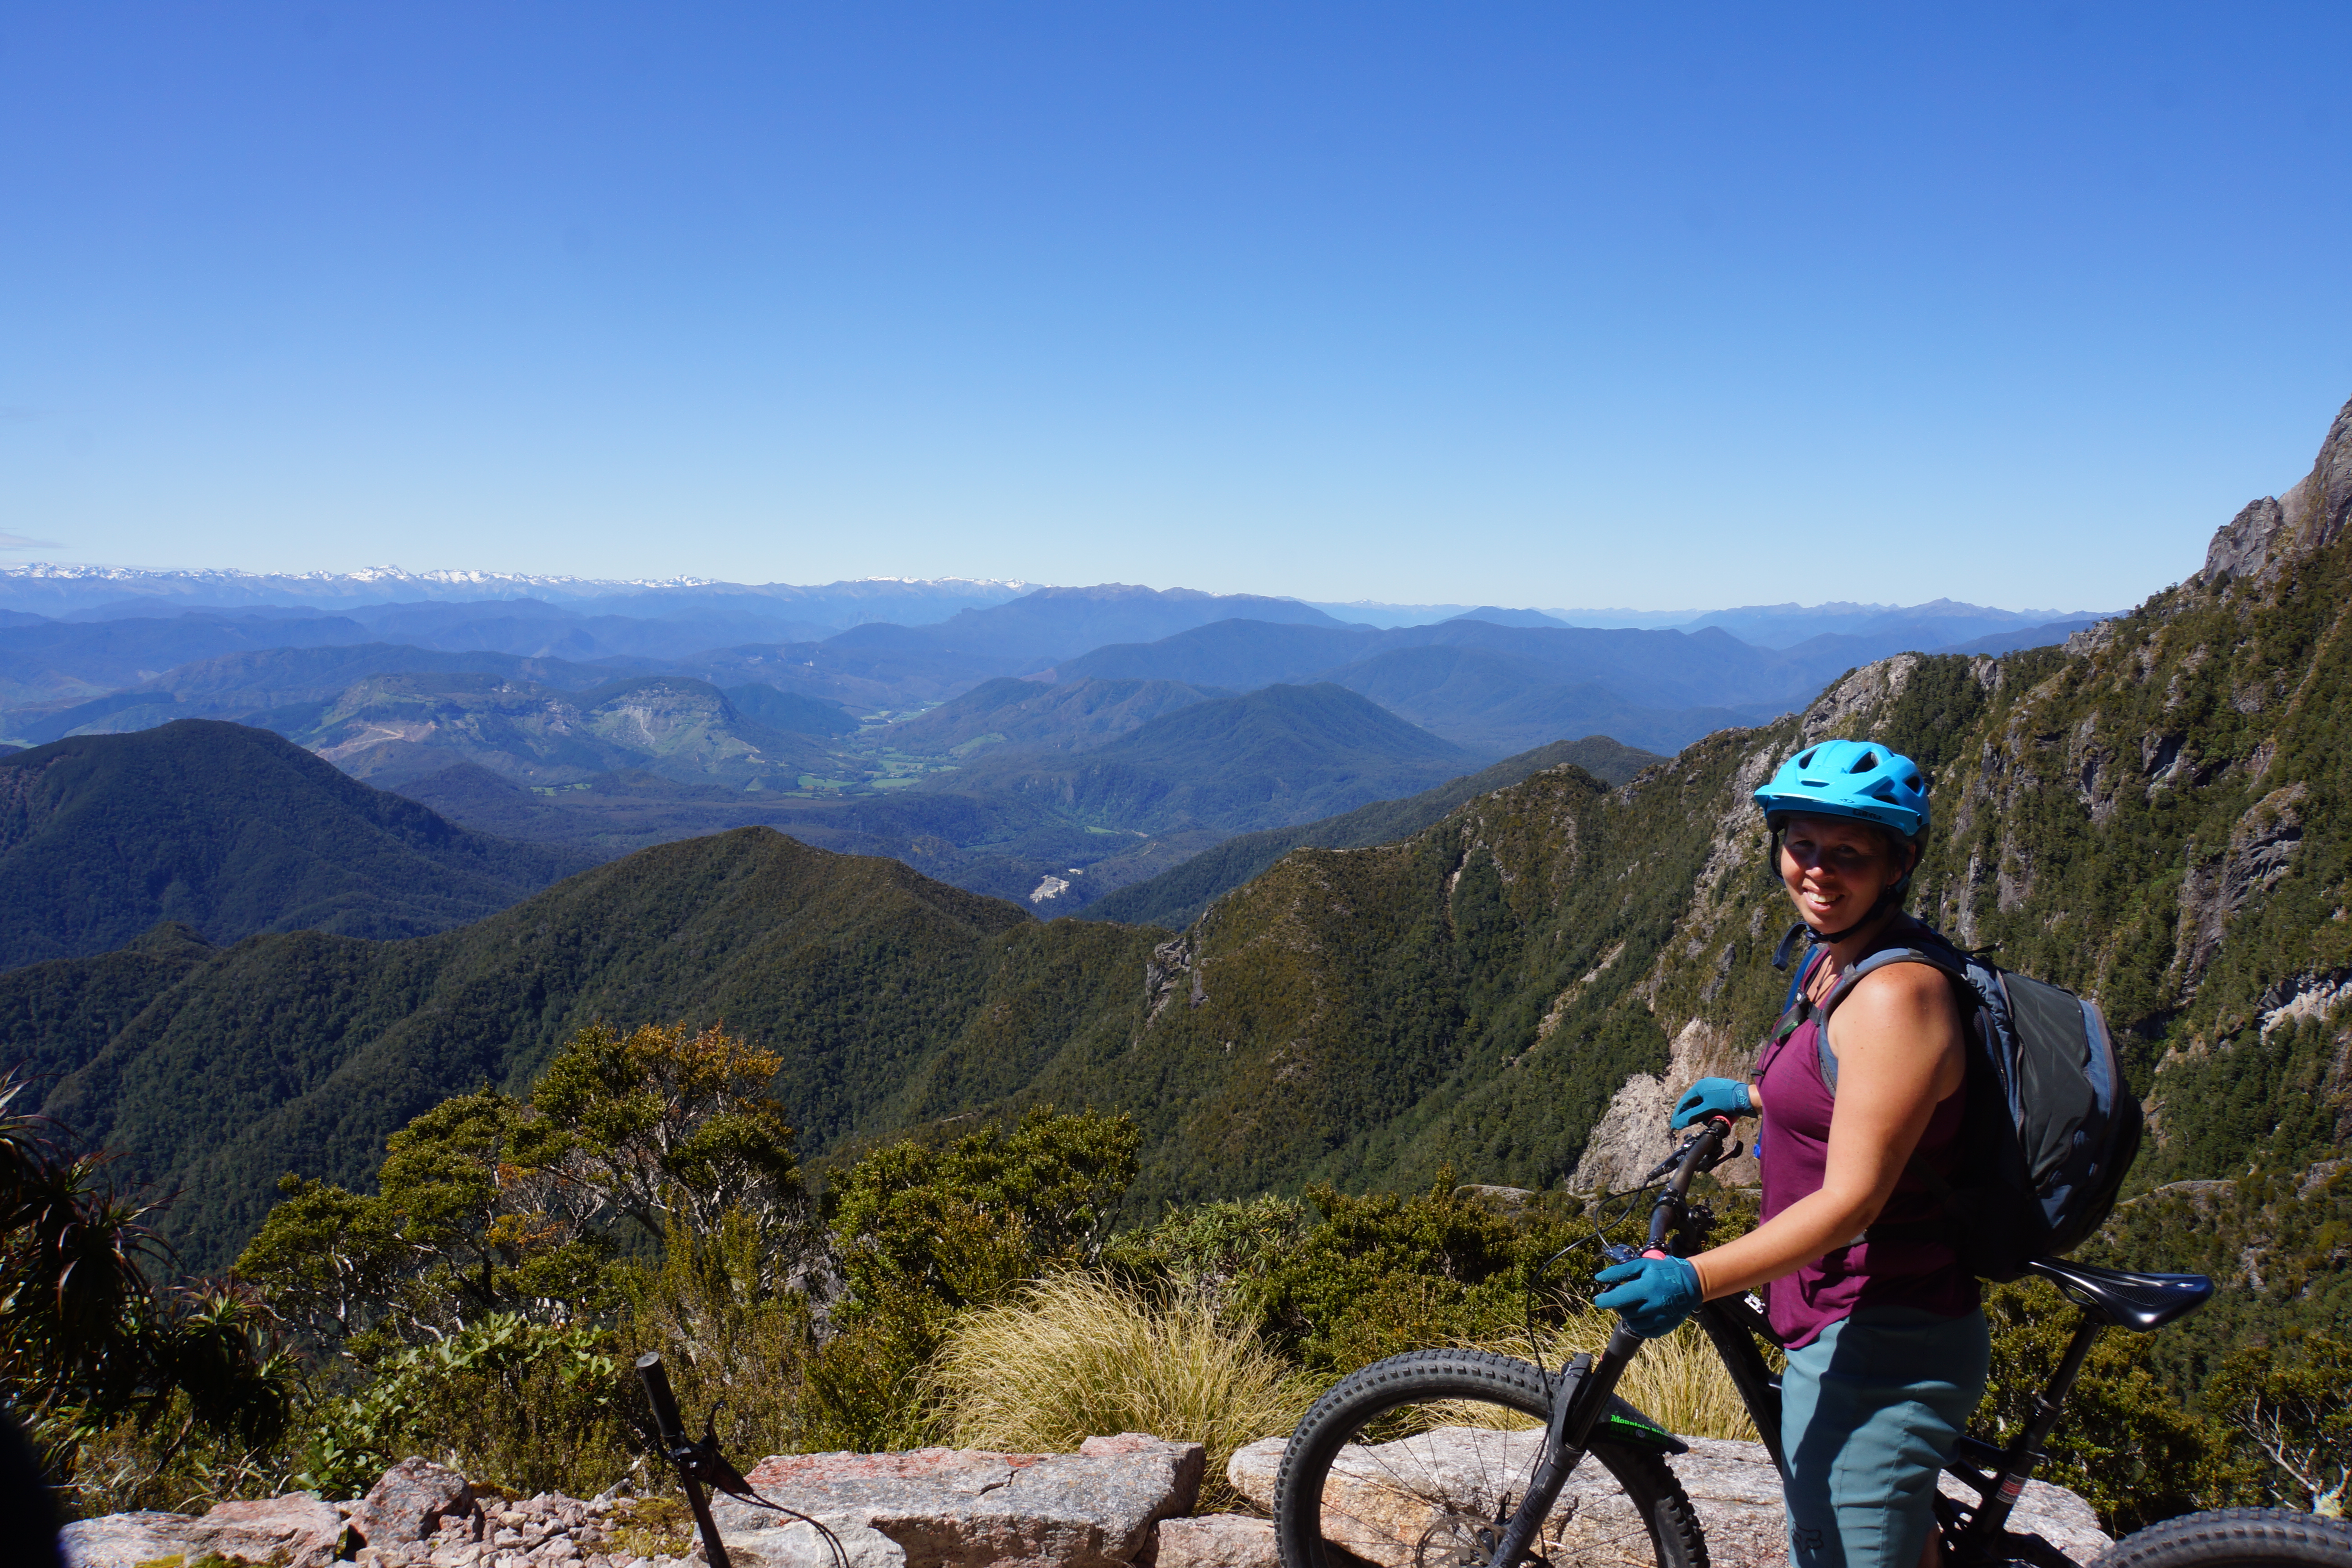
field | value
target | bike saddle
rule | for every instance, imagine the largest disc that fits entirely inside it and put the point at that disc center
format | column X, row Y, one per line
column 2129, row 1300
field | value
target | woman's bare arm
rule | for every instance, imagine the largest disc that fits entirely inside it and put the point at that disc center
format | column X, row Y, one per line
column 1897, row 1036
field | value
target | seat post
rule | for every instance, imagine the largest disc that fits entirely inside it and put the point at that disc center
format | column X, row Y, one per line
column 2017, row 1466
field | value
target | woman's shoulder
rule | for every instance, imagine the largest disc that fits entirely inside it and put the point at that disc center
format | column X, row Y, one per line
column 1902, row 979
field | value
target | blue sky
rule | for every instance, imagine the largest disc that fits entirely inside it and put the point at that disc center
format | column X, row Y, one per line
column 1519, row 303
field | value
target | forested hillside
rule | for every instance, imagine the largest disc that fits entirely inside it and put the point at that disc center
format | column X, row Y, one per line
column 231, row 831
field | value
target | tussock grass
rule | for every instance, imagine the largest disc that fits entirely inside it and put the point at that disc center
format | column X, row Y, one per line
column 1678, row 1381
column 1074, row 1355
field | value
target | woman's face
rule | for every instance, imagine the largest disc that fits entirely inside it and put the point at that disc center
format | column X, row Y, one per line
column 1835, row 868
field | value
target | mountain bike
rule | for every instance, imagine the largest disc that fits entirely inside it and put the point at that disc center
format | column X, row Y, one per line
column 1456, row 1459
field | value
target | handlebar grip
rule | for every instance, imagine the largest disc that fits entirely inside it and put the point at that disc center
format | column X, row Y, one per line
column 655, row 1377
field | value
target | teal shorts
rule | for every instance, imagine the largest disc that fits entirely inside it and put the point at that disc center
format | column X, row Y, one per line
column 1869, row 1413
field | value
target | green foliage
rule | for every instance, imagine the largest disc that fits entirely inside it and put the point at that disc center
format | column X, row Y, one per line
column 97, row 1353
column 924, row 1233
column 313, row 1049
column 486, row 1205
column 734, row 1343
column 525, row 1407
column 2126, row 1444
column 655, row 1122
column 457, row 1231
column 1382, row 1274
column 2294, row 1408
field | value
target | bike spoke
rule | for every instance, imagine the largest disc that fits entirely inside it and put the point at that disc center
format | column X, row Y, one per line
column 1441, row 1496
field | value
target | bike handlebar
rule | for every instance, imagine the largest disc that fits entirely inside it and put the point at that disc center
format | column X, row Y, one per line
column 1699, row 1154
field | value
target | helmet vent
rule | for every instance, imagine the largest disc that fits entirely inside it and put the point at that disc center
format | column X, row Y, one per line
column 1864, row 762
column 1806, row 761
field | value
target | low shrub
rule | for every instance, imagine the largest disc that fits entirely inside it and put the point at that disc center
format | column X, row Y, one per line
column 520, row 1407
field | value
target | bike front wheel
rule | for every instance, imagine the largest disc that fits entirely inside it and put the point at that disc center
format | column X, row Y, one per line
column 1418, row 1461
column 2236, row 1538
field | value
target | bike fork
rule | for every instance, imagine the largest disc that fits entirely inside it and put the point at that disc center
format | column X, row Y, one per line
column 1583, row 1393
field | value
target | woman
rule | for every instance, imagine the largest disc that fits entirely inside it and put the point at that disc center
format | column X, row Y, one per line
column 1887, row 1347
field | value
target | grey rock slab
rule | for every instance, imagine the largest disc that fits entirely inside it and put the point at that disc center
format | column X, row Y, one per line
column 1218, row 1540
column 299, row 1525
column 1398, row 1490
column 968, row 1507
column 126, row 1540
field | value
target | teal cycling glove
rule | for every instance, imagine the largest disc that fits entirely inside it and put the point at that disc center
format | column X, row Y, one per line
column 1653, row 1294
column 1712, row 1096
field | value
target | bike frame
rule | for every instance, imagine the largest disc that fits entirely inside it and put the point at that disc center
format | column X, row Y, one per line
column 1973, row 1534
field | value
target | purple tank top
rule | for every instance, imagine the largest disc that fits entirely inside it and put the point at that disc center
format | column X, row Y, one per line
column 1793, row 1152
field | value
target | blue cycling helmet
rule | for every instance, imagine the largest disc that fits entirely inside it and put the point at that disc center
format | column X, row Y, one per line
column 1860, row 779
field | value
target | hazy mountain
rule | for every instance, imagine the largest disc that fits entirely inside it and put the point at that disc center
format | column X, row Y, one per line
column 1938, row 623
column 1652, row 668
column 1279, row 755
column 538, row 630
column 279, row 687
column 1175, row 897
column 62, row 662
column 787, row 710
column 1057, row 623
column 1068, row 716
column 997, row 844
column 394, row 727
column 1501, row 618
column 1496, row 701
column 53, row 590
column 232, row 831
column 2047, row 635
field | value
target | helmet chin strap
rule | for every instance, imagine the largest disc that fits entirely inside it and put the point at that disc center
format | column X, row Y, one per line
column 1888, row 899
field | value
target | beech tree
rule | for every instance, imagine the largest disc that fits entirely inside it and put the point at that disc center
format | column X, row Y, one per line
column 487, row 1205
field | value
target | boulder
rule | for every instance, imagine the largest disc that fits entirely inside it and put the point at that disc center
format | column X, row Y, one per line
column 1732, row 1486
column 297, row 1529
column 1218, row 1540
column 413, row 1501
column 933, row 1507
column 126, row 1540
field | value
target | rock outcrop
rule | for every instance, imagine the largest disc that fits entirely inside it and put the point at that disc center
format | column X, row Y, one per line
column 1732, row 1485
column 1098, row 1507
column 1093, row 1508
column 2260, row 541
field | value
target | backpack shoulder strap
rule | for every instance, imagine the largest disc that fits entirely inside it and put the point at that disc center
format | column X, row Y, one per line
column 1933, row 954
column 1950, row 964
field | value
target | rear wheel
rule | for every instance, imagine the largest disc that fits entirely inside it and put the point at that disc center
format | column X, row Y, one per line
column 2232, row 1537
column 1418, row 1462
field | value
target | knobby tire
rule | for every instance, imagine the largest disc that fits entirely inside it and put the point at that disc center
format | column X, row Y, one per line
column 1413, row 1462
column 2236, row 1538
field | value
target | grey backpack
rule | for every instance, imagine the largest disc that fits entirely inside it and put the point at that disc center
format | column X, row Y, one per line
column 2051, row 1127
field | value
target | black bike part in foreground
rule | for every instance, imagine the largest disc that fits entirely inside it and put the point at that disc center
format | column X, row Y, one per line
column 1427, row 1461
column 2237, row 1538
column 681, row 1451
